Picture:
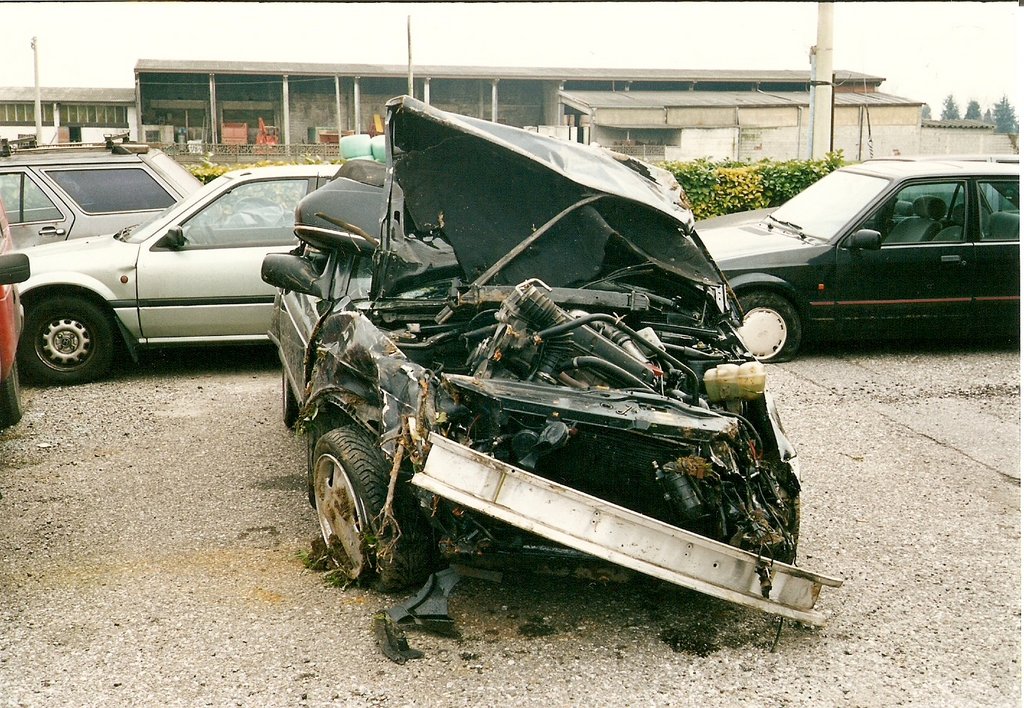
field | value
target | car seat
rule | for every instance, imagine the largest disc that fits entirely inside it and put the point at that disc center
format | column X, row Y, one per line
column 955, row 230
column 923, row 226
column 1002, row 226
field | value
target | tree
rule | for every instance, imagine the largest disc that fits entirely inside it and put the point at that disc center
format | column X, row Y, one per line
column 973, row 111
column 950, row 111
column 1004, row 116
column 926, row 112
column 988, row 116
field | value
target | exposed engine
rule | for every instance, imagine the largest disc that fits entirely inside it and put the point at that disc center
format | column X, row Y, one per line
column 587, row 401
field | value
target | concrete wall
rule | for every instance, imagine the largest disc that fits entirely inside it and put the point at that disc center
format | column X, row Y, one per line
column 952, row 141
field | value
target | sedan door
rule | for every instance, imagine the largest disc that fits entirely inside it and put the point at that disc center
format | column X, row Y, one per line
column 920, row 281
column 996, row 305
column 203, row 282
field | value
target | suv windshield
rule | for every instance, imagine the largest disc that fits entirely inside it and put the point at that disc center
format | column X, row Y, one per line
column 829, row 204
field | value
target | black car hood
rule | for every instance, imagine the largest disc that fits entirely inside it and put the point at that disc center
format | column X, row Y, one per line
column 729, row 243
column 463, row 193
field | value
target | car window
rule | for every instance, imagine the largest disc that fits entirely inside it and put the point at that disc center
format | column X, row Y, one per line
column 100, row 191
column 999, row 206
column 360, row 278
column 251, row 214
column 25, row 200
column 825, row 207
column 922, row 213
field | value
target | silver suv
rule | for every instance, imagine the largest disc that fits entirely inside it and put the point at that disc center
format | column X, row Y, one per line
column 55, row 193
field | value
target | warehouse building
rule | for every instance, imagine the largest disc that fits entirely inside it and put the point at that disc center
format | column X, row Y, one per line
column 242, row 108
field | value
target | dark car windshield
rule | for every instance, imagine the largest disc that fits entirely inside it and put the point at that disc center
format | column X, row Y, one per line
column 822, row 209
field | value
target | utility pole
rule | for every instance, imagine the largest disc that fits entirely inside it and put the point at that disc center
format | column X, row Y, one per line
column 39, row 100
column 408, row 32
column 821, row 85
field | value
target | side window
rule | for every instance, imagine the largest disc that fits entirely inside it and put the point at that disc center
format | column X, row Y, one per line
column 360, row 278
column 102, row 191
column 252, row 214
column 999, row 206
column 25, row 201
column 922, row 213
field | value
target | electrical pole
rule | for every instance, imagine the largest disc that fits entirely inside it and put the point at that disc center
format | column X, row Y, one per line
column 39, row 100
column 408, row 31
column 821, row 85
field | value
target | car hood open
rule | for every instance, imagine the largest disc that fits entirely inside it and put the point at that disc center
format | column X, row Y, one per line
column 467, row 198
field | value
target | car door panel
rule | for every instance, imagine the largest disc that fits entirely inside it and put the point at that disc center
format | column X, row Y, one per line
column 204, row 293
column 37, row 214
column 914, row 288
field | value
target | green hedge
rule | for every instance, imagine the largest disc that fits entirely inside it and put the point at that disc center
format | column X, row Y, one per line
column 717, row 187
column 207, row 171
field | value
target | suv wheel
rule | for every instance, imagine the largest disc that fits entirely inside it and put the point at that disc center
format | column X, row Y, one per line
column 66, row 341
column 771, row 326
column 350, row 485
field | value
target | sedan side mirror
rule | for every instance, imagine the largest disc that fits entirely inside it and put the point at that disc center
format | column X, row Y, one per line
column 290, row 272
column 173, row 240
column 864, row 239
column 14, row 268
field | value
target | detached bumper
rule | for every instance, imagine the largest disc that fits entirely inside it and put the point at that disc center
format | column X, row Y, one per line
column 618, row 535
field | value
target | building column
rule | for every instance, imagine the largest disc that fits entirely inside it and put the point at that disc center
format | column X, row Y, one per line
column 355, row 105
column 337, row 104
column 287, row 115
column 140, row 133
column 426, row 91
column 213, row 110
column 494, row 100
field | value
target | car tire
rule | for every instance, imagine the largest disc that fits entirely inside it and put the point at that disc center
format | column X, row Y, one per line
column 289, row 404
column 350, row 480
column 771, row 329
column 66, row 340
column 10, row 399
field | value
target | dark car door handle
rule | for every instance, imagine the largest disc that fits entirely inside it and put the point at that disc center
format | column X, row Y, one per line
column 953, row 259
column 51, row 231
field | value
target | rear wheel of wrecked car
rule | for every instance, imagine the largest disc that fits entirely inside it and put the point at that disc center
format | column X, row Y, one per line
column 289, row 404
column 66, row 341
column 771, row 326
column 10, row 399
column 350, row 486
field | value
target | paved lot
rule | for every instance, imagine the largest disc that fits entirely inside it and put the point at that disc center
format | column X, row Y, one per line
column 150, row 528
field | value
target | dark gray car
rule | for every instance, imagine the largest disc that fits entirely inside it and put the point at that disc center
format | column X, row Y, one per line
column 528, row 354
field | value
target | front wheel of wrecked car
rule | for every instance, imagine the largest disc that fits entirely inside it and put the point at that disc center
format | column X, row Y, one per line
column 350, row 486
column 771, row 326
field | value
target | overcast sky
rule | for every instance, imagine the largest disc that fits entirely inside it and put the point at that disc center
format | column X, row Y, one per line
column 925, row 50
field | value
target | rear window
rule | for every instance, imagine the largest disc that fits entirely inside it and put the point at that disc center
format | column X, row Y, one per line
column 99, row 191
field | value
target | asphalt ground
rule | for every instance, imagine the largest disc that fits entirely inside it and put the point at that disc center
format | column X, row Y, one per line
column 151, row 527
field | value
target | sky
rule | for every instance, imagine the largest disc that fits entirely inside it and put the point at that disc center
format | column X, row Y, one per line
column 924, row 50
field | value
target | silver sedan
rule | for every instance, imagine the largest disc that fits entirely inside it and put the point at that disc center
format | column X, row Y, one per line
column 190, row 275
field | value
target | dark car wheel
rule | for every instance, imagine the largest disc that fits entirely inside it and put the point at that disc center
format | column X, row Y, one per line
column 289, row 404
column 66, row 341
column 771, row 326
column 10, row 399
column 350, row 485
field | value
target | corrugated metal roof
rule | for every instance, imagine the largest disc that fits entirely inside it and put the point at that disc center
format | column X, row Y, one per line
column 585, row 100
column 52, row 94
column 958, row 123
column 489, row 72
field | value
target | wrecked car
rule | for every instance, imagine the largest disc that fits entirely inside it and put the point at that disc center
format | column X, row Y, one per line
column 504, row 348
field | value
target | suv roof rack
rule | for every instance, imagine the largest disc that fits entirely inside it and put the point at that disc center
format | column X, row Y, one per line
column 116, row 143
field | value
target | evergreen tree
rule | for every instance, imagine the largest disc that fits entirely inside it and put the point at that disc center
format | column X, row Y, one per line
column 926, row 112
column 1004, row 116
column 973, row 111
column 950, row 111
column 988, row 116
